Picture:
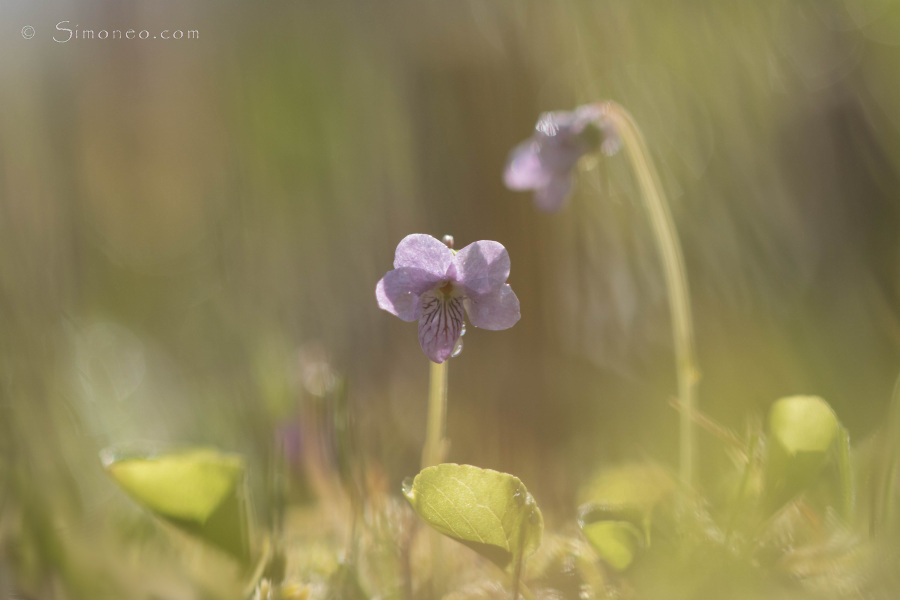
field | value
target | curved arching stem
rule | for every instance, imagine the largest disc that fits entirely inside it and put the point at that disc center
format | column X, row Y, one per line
column 669, row 248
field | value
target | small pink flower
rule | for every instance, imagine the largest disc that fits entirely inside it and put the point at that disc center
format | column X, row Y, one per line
column 435, row 285
column 546, row 161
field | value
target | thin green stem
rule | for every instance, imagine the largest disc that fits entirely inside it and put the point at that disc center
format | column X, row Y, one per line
column 882, row 510
column 514, row 579
column 669, row 249
column 524, row 591
column 517, row 572
column 433, row 452
column 744, row 485
column 845, row 472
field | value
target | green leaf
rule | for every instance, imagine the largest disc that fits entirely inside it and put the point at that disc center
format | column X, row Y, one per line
column 616, row 532
column 627, row 494
column 616, row 542
column 489, row 511
column 802, row 432
column 803, row 424
column 198, row 490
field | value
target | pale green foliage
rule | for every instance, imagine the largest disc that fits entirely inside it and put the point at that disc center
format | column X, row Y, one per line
column 198, row 490
column 489, row 511
column 617, row 508
column 802, row 434
column 803, row 424
column 188, row 485
column 615, row 541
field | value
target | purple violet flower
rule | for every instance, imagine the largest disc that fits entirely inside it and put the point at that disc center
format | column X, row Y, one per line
column 546, row 161
column 433, row 284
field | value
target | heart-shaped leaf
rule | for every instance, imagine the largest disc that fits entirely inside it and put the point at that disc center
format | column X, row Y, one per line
column 803, row 424
column 489, row 511
column 616, row 542
column 802, row 433
column 617, row 509
column 616, row 532
column 198, row 490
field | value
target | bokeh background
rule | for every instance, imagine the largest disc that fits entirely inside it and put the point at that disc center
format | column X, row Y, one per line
column 191, row 232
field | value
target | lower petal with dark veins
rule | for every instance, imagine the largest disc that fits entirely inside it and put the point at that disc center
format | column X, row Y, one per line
column 440, row 325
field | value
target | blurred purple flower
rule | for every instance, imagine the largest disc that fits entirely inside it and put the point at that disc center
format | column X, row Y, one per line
column 545, row 162
column 432, row 284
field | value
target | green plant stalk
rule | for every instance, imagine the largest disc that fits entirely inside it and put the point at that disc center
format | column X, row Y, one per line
column 517, row 570
column 518, row 586
column 845, row 474
column 433, row 452
column 522, row 590
column 259, row 568
column 669, row 249
column 882, row 518
column 514, row 578
column 745, row 483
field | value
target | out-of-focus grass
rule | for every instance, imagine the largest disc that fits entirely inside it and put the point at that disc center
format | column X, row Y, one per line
column 177, row 221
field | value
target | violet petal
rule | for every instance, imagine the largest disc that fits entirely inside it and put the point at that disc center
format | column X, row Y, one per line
column 560, row 141
column 421, row 251
column 399, row 291
column 440, row 325
column 482, row 266
column 524, row 169
column 553, row 196
column 498, row 309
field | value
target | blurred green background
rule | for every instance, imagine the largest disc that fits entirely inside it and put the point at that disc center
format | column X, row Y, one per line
column 191, row 232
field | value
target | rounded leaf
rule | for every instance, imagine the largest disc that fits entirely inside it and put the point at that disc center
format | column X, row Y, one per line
column 198, row 490
column 803, row 424
column 489, row 511
column 616, row 542
column 803, row 431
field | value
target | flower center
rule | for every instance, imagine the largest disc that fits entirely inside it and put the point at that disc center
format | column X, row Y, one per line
column 446, row 289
